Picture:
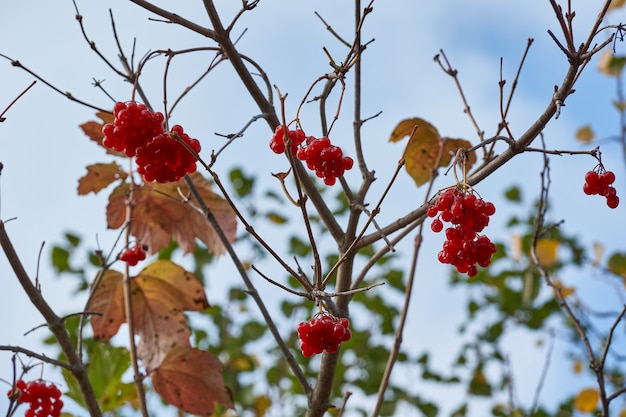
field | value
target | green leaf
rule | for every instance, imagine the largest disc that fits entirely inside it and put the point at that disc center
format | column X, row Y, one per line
column 395, row 278
column 242, row 184
column 617, row 263
column 513, row 194
column 253, row 330
column 494, row 332
column 73, row 239
column 107, row 365
column 298, row 247
column 479, row 385
column 61, row 259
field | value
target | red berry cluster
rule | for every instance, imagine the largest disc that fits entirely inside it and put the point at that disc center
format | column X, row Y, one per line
column 133, row 255
column 602, row 183
column 469, row 215
column 133, row 127
column 277, row 143
column 44, row 399
column 325, row 159
column 159, row 155
column 323, row 333
column 164, row 159
column 320, row 155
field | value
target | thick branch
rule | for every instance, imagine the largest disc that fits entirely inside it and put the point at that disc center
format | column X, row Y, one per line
column 517, row 147
column 55, row 324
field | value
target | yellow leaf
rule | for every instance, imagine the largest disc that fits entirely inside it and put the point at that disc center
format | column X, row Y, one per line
column 586, row 400
column 546, row 251
column 616, row 4
column 565, row 291
column 422, row 152
column 578, row 366
column 262, row 404
column 451, row 146
column 406, row 127
column 585, row 134
column 610, row 64
column 620, row 105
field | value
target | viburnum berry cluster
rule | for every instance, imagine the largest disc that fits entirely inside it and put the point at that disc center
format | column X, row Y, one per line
column 464, row 247
column 325, row 159
column 160, row 155
column 319, row 154
column 133, row 255
column 323, row 333
column 601, row 182
column 44, row 399
column 133, row 127
column 277, row 143
column 165, row 159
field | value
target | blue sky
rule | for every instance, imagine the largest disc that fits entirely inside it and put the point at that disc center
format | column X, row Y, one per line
column 44, row 151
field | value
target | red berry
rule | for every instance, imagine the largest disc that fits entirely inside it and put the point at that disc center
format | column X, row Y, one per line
column 436, row 226
column 612, row 201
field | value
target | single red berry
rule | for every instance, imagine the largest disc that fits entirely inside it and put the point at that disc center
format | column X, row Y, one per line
column 612, row 201
column 437, row 225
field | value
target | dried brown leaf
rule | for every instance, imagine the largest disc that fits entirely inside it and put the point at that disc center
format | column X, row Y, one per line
column 160, row 214
column 100, row 176
column 191, row 379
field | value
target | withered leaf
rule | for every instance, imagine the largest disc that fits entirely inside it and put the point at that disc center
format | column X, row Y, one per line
column 451, row 146
column 108, row 301
column 159, row 214
column 93, row 130
column 406, row 127
column 191, row 379
column 100, row 176
column 159, row 295
column 422, row 151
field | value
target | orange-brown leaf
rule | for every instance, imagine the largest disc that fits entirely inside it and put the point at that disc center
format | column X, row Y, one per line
column 191, row 379
column 160, row 294
column 93, row 130
column 159, row 215
column 108, row 300
column 422, row 152
column 100, row 176
column 451, row 146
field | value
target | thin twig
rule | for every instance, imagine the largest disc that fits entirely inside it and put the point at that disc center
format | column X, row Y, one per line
column 2, row 118
column 40, row 356
column 295, row 368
